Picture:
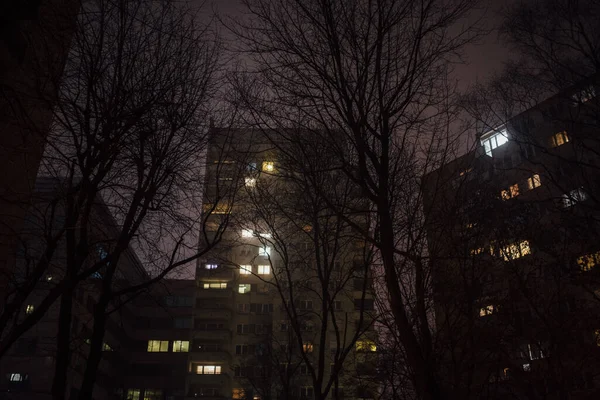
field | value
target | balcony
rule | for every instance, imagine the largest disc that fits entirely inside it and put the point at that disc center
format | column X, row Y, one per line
column 217, row 335
column 216, row 380
column 217, row 294
column 212, row 314
column 207, row 357
column 220, row 273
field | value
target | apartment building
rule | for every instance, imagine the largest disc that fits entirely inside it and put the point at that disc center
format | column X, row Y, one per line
column 147, row 336
column 277, row 307
column 513, row 235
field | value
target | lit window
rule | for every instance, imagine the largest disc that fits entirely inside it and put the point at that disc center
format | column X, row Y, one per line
column 264, row 269
column 49, row 278
column 214, row 285
column 268, row 166
column 516, row 250
column 366, row 345
column 513, row 191
column 211, row 266
column 181, row 346
column 133, row 394
column 560, row 138
column 533, row 182
column 106, row 347
column 250, row 182
column 238, row 394
column 245, row 269
column 476, row 251
column 265, row 235
column 29, row 309
column 597, row 337
column 158, row 346
column 307, row 347
column 264, row 251
column 208, row 369
column 465, row 171
column 14, row 377
column 247, row 233
column 153, row 394
column 487, row 310
column 490, row 142
column 573, row 197
column 526, row 367
column 588, row 261
column 244, row 288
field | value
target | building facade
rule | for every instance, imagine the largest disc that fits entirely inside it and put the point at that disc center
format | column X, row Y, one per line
column 513, row 236
column 284, row 305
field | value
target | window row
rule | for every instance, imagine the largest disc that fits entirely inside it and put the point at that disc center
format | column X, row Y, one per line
column 513, row 191
column 162, row 346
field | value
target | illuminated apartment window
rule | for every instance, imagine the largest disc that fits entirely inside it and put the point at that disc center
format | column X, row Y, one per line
column 265, row 235
column 476, row 251
column 307, row 347
column 214, row 285
column 597, row 337
column 264, row 269
column 516, row 250
column 558, row 139
column 513, row 191
column 487, row 310
column 588, row 261
column 465, row 171
column 245, row 269
column 244, row 288
column 366, row 345
column 534, row 182
column 268, row 166
column 158, row 346
column 49, row 278
column 29, row 309
column 133, row 394
column 238, row 394
column 153, row 394
column 181, row 346
column 250, row 182
column 264, row 251
column 208, row 369
column 573, row 197
column 247, row 233
column 492, row 140
column 106, row 347
column 211, row 266
column 15, row 377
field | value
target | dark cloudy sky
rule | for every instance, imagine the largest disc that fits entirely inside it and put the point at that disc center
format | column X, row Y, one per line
column 482, row 59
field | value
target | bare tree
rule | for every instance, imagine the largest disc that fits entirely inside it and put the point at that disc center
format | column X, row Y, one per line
column 129, row 132
column 371, row 78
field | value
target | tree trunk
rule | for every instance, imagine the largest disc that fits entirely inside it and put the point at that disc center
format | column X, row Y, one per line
column 95, row 355
column 63, row 346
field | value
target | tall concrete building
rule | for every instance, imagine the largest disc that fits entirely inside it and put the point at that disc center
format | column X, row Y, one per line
column 513, row 238
column 284, row 305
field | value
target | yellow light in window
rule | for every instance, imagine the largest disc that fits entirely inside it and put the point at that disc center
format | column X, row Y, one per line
column 250, row 182
column 476, row 251
column 534, row 182
column 268, row 166
column 366, row 345
column 597, row 337
column 238, row 394
column 505, row 195
column 487, row 310
column 588, row 261
column 560, row 138
column 307, row 347
column 514, row 190
column 29, row 309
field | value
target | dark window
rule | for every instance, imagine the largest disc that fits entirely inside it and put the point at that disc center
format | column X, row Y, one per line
column 365, row 305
